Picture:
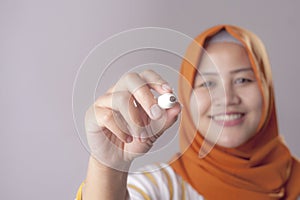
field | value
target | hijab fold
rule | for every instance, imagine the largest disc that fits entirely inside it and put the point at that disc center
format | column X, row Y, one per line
column 263, row 167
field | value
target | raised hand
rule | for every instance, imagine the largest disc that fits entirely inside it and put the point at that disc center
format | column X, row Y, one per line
column 125, row 122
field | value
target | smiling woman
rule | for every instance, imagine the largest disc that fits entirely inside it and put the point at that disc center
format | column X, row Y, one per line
column 226, row 95
column 229, row 140
column 235, row 124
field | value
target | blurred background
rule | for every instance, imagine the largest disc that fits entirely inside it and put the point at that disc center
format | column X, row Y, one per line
column 43, row 44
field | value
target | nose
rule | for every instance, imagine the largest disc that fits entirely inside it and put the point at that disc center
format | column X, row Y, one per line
column 226, row 96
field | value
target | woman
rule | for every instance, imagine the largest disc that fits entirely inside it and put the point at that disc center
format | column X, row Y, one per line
column 229, row 135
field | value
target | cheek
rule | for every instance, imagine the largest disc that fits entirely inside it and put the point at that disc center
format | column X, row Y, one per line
column 200, row 104
column 254, row 99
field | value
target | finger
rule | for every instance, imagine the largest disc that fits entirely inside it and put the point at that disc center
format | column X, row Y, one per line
column 131, row 112
column 156, row 82
column 106, row 119
column 158, row 127
column 140, row 86
column 141, row 91
column 146, row 121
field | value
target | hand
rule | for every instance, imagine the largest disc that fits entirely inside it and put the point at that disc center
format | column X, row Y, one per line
column 126, row 121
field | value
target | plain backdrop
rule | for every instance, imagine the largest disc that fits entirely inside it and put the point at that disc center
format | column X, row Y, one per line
column 43, row 43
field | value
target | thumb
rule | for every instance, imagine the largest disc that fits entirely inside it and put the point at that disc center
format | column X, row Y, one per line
column 166, row 121
column 172, row 115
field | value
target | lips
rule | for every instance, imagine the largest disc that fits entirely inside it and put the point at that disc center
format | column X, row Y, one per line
column 229, row 119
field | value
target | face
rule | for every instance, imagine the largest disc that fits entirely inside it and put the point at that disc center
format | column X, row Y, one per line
column 226, row 104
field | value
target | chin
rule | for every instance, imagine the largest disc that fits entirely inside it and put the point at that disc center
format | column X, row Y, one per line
column 230, row 142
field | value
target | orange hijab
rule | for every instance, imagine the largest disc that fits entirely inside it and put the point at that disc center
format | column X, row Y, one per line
column 263, row 167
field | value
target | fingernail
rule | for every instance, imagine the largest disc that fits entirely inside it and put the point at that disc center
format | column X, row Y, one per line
column 166, row 87
column 143, row 137
column 156, row 111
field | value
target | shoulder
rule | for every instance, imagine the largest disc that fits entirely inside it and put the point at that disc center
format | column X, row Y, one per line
column 159, row 181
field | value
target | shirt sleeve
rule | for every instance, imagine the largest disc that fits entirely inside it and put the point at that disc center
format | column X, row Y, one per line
column 79, row 192
column 157, row 181
column 153, row 182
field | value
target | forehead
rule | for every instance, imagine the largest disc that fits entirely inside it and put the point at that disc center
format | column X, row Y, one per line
column 223, row 57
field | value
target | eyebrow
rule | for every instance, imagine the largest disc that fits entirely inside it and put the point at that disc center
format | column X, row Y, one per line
column 231, row 72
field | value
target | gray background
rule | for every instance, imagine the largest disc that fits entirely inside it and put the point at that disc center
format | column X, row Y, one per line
column 43, row 43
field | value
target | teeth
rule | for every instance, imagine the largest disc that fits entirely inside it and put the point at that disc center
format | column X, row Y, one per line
column 227, row 117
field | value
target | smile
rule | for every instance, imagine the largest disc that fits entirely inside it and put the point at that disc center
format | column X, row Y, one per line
column 228, row 119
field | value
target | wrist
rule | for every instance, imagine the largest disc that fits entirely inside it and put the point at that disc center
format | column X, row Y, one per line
column 104, row 182
column 120, row 167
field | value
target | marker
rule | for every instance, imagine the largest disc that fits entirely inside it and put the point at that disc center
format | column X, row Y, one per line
column 166, row 100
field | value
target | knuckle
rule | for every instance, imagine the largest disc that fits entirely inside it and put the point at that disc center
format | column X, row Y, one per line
column 99, row 100
column 106, row 117
column 131, row 75
column 153, row 76
column 121, row 98
column 148, row 71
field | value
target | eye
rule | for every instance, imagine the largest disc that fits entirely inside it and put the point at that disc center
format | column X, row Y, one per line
column 243, row 81
column 207, row 84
